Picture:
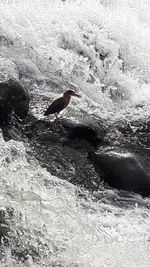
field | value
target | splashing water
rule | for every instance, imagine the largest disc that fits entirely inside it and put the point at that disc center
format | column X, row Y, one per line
column 60, row 228
column 100, row 48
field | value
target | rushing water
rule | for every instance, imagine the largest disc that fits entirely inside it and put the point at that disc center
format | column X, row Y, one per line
column 44, row 43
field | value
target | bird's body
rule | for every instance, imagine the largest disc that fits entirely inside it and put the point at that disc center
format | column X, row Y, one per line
column 60, row 103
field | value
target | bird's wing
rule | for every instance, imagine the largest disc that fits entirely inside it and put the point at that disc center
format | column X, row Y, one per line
column 56, row 106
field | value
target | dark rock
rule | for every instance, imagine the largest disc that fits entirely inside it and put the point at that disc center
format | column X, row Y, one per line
column 122, row 171
column 61, row 156
column 86, row 128
column 13, row 98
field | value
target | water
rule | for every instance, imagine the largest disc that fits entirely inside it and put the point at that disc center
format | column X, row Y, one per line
column 50, row 46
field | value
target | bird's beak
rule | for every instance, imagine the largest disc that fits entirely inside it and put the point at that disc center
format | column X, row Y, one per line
column 76, row 95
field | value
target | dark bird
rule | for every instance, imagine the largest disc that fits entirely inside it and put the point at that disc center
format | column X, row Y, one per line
column 60, row 103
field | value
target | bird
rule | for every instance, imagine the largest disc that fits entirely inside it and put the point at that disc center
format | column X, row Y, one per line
column 60, row 103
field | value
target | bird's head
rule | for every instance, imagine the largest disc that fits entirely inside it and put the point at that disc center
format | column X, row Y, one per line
column 70, row 93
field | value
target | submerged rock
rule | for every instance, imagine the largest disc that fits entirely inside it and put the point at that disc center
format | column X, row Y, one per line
column 122, row 171
column 13, row 98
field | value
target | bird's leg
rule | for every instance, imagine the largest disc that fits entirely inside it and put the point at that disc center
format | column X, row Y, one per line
column 56, row 115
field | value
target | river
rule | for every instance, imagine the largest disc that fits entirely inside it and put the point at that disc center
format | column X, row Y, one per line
column 63, row 43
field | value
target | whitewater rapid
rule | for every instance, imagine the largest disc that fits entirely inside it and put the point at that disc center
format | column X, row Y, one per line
column 55, row 45
column 61, row 41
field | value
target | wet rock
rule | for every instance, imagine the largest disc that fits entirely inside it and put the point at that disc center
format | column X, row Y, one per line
column 86, row 128
column 122, row 171
column 61, row 156
column 13, row 98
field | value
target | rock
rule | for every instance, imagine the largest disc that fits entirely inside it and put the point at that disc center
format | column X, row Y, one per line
column 122, row 171
column 85, row 128
column 66, row 159
column 13, row 97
